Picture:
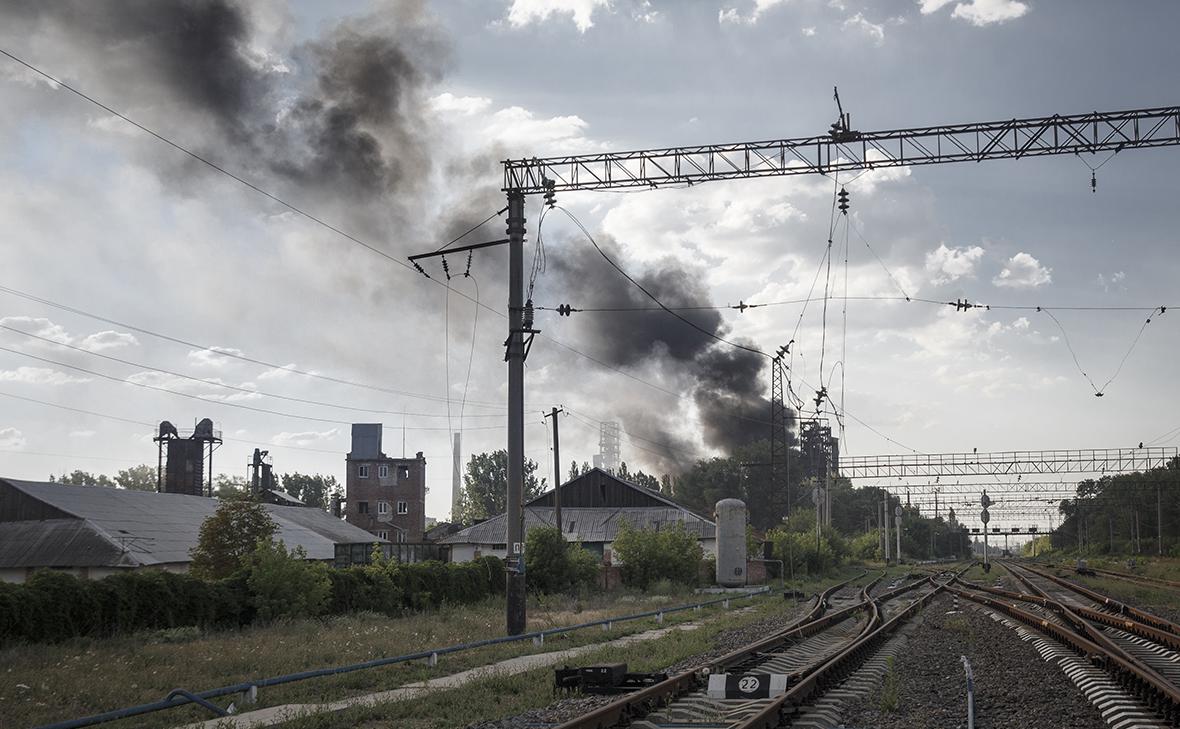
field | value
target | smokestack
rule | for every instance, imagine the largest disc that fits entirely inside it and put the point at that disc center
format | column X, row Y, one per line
column 456, row 478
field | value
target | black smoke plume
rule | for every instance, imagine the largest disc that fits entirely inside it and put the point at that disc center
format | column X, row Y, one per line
column 726, row 383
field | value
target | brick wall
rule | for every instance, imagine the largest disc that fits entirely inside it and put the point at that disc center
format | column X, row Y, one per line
column 404, row 481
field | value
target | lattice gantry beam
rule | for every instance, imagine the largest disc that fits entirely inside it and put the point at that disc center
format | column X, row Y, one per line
column 1005, row 463
column 849, row 151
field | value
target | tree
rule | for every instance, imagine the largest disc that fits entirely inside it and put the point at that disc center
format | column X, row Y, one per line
column 83, row 478
column 574, row 472
column 555, row 565
column 229, row 536
column 485, row 486
column 648, row 556
column 229, row 487
column 312, row 490
column 285, row 584
column 137, row 478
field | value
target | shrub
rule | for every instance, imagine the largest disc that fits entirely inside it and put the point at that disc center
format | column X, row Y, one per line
column 648, row 555
column 285, row 584
column 554, row 565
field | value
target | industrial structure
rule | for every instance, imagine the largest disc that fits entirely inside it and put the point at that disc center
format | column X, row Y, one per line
column 185, row 458
column 610, row 452
column 384, row 496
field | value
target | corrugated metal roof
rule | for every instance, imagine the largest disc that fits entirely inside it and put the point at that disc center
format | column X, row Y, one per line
column 58, row 543
column 163, row 528
column 587, row 524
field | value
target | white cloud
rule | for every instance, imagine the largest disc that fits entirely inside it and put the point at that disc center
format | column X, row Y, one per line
column 12, row 438
column 978, row 12
column 211, row 357
column 39, row 376
column 99, row 341
column 950, row 264
column 277, row 373
column 932, row 6
column 207, row 389
column 306, row 438
column 40, row 326
column 524, row 12
column 82, row 433
column 448, row 103
column 1113, row 282
column 986, row 12
column 519, row 128
column 733, row 17
column 862, row 24
column 808, row 31
column 1022, row 271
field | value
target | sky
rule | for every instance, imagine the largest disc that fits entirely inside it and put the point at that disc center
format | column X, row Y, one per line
column 386, row 121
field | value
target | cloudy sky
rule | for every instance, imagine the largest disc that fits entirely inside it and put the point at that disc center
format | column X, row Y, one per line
column 386, row 120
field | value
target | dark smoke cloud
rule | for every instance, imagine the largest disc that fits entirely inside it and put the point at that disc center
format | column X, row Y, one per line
column 343, row 116
column 724, row 381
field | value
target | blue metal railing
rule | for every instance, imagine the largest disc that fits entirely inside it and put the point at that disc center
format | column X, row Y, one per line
column 181, row 697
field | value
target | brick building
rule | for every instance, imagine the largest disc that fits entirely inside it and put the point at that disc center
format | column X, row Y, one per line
column 384, row 496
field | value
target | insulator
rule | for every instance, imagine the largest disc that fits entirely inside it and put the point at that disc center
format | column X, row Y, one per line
column 843, row 198
column 446, row 268
column 421, row 270
column 467, row 273
column 1093, row 182
column 564, row 310
column 528, row 315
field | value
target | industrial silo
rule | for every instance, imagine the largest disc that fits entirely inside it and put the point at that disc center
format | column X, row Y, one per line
column 730, row 515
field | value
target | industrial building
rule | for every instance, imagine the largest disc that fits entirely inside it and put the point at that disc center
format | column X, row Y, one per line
column 384, row 496
column 594, row 506
column 92, row 532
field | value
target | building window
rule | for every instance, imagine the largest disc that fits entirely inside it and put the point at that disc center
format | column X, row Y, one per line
column 383, row 471
column 405, row 471
column 382, row 507
column 362, row 471
column 401, row 536
column 403, row 508
column 383, row 535
column 362, row 507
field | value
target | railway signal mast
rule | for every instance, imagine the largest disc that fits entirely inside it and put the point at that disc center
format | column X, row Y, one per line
column 840, row 150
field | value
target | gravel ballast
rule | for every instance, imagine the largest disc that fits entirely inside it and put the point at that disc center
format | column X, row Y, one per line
column 1014, row 687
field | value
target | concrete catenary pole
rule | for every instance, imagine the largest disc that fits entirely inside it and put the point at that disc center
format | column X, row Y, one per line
column 897, row 511
column 514, row 514
column 456, row 475
column 885, row 521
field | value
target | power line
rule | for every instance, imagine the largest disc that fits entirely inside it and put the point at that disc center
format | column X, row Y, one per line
column 216, row 402
column 229, row 354
column 224, row 385
column 652, row 296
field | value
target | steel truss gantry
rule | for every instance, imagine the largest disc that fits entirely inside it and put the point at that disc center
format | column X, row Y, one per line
column 1007, row 463
column 848, row 150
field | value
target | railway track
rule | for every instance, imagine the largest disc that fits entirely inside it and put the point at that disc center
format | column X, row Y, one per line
column 1137, row 579
column 839, row 633
column 1139, row 651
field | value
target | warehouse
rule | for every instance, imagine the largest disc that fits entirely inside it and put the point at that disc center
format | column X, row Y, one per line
column 594, row 506
column 93, row 532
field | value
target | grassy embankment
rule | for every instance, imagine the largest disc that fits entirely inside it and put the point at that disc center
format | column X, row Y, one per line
column 44, row 683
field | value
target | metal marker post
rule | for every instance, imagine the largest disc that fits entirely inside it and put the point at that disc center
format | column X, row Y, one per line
column 985, row 517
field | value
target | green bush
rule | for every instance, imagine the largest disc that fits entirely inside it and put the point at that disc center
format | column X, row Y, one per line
column 554, row 565
column 55, row 606
column 285, row 584
column 647, row 555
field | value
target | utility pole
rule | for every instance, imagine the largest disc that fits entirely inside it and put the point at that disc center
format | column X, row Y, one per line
column 885, row 521
column 897, row 512
column 515, row 357
column 556, row 471
column 1159, row 522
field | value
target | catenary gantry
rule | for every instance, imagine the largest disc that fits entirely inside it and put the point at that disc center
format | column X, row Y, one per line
column 1007, row 463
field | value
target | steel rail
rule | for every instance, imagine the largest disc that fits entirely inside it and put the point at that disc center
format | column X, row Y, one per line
column 1140, row 579
column 1129, row 673
column 838, row 668
column 1095, row 635
column 641, row 702
column 1109, row 603
column 1127, row 625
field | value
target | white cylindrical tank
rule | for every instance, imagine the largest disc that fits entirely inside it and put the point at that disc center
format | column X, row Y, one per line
column 730, row 515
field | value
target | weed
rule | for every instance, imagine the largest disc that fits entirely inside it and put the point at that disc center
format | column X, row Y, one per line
column 890, row 688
